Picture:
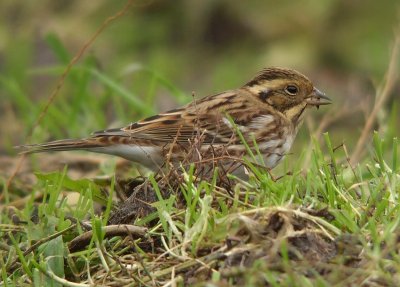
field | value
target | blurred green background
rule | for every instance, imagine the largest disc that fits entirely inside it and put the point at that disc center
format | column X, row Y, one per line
column 160, row 52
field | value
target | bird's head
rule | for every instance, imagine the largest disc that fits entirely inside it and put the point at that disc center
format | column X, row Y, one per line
column 286, row 90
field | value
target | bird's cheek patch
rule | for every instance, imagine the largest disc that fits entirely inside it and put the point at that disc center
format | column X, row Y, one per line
column 277, row 101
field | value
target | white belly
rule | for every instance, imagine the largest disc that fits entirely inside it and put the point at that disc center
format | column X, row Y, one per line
column 147, row 156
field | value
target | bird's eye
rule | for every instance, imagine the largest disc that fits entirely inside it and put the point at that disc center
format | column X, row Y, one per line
column 291, row 90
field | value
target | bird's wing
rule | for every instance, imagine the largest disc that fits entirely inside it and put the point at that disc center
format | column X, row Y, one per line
column 181, row 125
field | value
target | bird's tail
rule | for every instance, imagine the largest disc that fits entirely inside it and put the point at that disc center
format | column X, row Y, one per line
column 60, row 145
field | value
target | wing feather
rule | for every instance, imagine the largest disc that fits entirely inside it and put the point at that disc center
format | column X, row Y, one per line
column 206, row 117
column 179, row 124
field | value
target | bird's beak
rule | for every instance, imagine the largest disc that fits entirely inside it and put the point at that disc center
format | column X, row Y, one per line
column 318, row 98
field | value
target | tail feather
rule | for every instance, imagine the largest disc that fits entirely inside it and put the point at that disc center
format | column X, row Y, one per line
column 147, row 155
column 59, row 145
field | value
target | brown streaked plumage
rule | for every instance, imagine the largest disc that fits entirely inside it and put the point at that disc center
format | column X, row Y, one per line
column 268, row 109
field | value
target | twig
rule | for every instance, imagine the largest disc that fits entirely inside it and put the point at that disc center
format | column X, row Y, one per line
column 381, row 97
column 82, row 240
column 60, row 83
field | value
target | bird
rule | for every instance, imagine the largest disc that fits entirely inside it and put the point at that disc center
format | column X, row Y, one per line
column 263, row 116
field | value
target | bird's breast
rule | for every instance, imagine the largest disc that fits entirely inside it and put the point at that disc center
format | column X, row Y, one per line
column 274, row 149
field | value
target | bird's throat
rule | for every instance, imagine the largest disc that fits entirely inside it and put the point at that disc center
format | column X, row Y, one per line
column 295, row 114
